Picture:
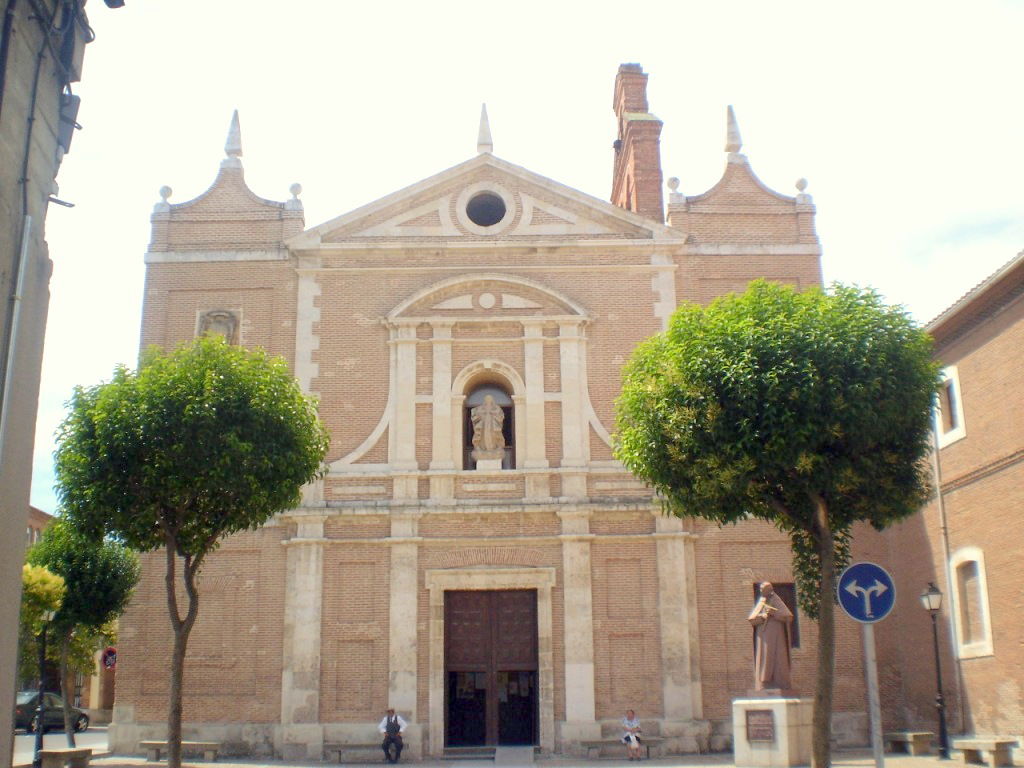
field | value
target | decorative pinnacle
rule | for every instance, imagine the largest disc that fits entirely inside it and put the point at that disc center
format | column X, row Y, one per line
column 294, row 204
column 233, row 146
column 483, row 139
column 733, row 142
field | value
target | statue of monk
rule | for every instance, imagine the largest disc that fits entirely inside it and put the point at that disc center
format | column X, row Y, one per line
column 487, row 419
column 771, row 620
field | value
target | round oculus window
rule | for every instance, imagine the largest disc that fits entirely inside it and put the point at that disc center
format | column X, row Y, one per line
column 485, row 209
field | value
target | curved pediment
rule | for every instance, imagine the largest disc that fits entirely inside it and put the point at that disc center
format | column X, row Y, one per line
column 487, row 295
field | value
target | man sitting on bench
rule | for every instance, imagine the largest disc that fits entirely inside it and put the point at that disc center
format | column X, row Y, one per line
column 392, row 726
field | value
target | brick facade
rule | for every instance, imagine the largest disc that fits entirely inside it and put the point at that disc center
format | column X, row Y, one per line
column 393, row 315
column 970, row 545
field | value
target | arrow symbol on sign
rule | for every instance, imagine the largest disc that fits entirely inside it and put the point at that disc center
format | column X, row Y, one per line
column 875, row 589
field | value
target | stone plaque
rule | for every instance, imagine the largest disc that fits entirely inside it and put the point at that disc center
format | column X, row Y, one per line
column 760, row 725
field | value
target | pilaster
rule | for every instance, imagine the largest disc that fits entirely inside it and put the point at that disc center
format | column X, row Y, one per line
column 404, row 422
column 574, row 425
column 301, row 735
column 680, row 660
column 403, row 615
column 580, row 709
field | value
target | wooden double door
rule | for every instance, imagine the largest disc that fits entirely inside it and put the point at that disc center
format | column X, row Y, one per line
column 490, row 667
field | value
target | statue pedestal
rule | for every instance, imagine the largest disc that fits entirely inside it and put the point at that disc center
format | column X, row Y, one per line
column 488, row 464
column 771, row 731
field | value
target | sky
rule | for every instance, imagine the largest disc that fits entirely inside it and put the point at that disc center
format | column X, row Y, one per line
column 904, row 117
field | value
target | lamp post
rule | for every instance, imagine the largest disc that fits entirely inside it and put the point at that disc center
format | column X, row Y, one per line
column 37, row 761
column 931, row 599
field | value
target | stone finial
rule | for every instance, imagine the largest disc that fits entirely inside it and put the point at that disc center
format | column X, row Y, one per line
column 233, row 146
column 294, row 204
column 483, row 139
column 733, row 142
column 674, row 195
column 163, row 205
column 802, row 197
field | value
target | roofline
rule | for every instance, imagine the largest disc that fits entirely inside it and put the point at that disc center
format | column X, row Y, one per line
column 958, row 315
column 659, row 229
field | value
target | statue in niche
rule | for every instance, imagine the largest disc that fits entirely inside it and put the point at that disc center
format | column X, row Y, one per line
column 488, row 441
column 220, row 322
column 771, row 620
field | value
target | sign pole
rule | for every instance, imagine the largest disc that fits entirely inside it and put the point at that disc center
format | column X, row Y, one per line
column 867, row 593
column 874, row 704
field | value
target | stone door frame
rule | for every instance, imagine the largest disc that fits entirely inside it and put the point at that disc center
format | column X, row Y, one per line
column 441, row 580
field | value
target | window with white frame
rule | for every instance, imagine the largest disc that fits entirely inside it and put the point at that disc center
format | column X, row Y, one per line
column 970, row 607
column 949, row 411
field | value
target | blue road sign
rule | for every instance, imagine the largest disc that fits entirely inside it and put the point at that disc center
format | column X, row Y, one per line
column 866, row 592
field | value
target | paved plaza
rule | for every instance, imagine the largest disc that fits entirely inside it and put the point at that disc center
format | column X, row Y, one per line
column 842, row 759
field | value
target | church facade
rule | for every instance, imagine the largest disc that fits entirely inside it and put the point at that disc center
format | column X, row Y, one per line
column 474, row 557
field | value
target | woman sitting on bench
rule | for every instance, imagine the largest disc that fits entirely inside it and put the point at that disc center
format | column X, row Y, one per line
column 631, row 735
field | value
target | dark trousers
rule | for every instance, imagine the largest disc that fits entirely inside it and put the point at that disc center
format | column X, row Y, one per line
column 392, row 743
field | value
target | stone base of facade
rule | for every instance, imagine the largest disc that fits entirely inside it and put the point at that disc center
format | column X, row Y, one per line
column 772, row 732
column 306, row 742
column 236, row 739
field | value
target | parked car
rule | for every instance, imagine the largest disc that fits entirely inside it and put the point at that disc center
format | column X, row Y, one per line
column 26, row 711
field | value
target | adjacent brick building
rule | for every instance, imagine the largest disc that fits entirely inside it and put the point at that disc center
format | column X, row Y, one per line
column 968, row 540
column 525, row 597
column 42, row 44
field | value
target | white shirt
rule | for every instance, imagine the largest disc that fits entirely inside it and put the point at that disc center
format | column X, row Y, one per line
column 383, row 727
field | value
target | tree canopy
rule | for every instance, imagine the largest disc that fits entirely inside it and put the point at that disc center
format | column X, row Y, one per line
column 203, row 442
column 41, row 591
column 810, row 410
column 99, row 577
column 208, row 440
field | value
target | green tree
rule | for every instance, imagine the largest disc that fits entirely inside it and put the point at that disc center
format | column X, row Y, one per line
column 41, row 591
column 99, row 576
column 809, row 410
column 203, row 442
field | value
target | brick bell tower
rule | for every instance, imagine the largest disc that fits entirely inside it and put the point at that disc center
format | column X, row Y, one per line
column 636, row 175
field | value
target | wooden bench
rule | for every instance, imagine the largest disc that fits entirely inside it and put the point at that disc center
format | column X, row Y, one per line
column 911, row 742
column 75, row 757
column 594, row 745
column 334, row 750
column 1000, row 751
column 155, row 748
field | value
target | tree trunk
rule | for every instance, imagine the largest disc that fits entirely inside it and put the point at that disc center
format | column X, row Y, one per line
column 182, row 628
column 65, row 686
column 822, row 723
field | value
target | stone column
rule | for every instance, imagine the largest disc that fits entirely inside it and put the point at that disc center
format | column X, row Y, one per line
column 301, row 735
column 574, row 423
column 443, row 456
column 402, row 649
column 680, row 654
column 580, row 711
column 403, row 423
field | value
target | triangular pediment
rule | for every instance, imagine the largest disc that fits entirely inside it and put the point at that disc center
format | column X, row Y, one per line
column 531, row 207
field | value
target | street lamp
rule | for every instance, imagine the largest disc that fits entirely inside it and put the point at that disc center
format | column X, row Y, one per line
column 931, row 599
column 37, row 761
